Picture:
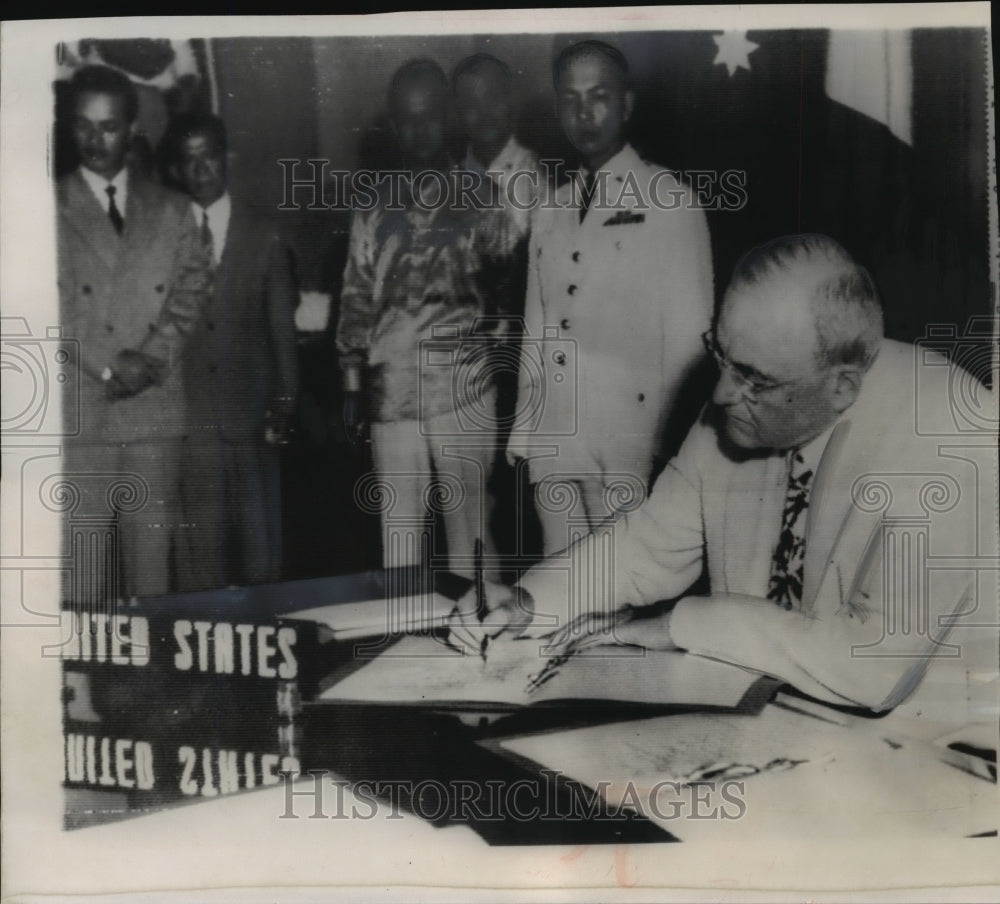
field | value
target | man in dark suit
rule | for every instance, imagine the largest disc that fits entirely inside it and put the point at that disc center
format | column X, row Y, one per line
column 134, row 280
column 241, row 375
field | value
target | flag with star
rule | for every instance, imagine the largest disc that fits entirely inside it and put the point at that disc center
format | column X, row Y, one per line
column 870, row 137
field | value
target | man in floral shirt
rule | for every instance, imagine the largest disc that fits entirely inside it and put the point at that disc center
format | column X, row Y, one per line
column 417, row 323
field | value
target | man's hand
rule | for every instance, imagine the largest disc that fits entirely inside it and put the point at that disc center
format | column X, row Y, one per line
column 132, row 373
column 278, row 420
column 624, row 626
column 515, row 451
column 354, row 417
column 506, row 611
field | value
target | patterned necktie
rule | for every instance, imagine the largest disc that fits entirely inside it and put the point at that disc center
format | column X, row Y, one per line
column 114, row 214
column 206, row 236
column 785, row 586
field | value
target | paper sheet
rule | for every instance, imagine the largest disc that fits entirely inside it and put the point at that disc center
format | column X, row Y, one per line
column 424, row 670
column 803, row 777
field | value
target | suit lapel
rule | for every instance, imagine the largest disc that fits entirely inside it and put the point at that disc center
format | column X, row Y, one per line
column 616, row 200
column 829, row 500
column 840, row 531
column 755, row 495
column 236, row 237
column 84, row 212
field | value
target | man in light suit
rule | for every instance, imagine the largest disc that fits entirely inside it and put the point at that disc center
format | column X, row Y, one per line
column 847, row 539
column 240, row 372
column 619, row 293
column 133, row 284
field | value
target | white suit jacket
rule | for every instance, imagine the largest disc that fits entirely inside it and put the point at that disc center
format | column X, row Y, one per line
column 900, row 530
column 614, row 313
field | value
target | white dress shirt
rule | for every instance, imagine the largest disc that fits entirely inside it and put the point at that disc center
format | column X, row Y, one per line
column 98, row 185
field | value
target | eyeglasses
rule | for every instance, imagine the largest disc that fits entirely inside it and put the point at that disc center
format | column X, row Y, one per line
column 751, row 387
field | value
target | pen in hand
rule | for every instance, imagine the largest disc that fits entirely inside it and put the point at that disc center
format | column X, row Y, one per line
column 486, row 612
column 481, row 610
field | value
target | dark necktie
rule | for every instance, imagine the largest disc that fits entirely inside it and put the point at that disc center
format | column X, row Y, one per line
column 114, row 214
column 588, row 195
column 206, row 236
column 785, row 586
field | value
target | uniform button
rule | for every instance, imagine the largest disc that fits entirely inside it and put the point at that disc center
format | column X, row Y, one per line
column 85, row 290
column 576, row 256
column 159, row 288
column 564, row 323
column 642, row 397
column 559, row 358
column 571, row 290
column 212, row 369
column 109, row 327
column 211, row 326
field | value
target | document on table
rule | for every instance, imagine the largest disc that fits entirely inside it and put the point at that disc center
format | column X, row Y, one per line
column 785, row 772
column 423, row 670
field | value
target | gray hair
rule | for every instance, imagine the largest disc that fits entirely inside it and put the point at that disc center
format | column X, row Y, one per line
column 844, row 302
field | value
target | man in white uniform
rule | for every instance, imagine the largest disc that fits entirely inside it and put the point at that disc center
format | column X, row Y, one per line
column 619, row 293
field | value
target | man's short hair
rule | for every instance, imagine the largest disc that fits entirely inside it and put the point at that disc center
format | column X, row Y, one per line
column 416, row 72
column 604, row 50
column 97, row 79
column 185, row 125
column 484, row 64
column 843, row 298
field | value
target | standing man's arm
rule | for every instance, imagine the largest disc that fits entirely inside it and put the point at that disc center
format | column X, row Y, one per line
column 188, row 295
column 355, row 323
column 494, row 242
column 702, row 275
column 281, row 298
column 71, row 314
column 531, row 360
column 688, row 277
